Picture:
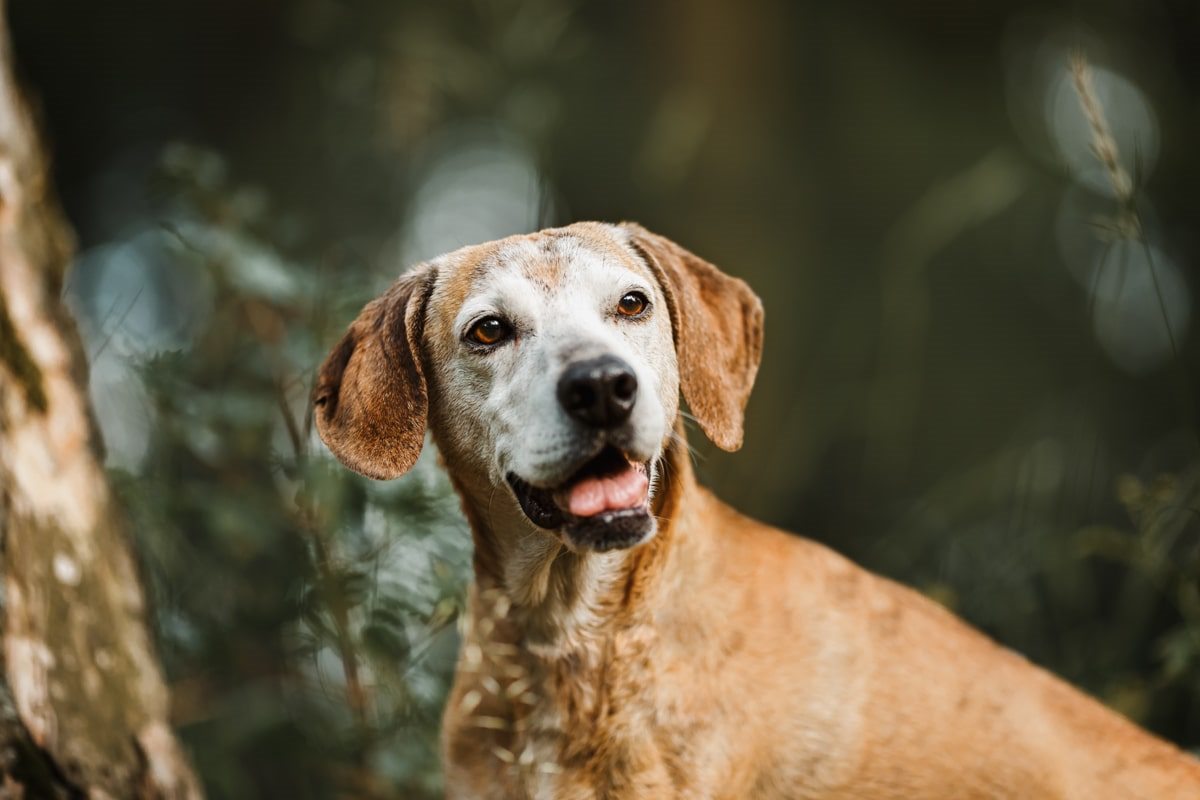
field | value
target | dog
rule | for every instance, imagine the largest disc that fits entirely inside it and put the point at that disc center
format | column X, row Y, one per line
column 629, row 636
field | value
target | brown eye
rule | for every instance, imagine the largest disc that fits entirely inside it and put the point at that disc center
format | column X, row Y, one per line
column 632, row 304
column 489, row 330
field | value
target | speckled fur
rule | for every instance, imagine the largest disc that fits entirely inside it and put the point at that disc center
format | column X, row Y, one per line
column 722, row 658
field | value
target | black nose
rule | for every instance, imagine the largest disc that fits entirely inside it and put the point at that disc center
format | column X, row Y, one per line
column 599, row 392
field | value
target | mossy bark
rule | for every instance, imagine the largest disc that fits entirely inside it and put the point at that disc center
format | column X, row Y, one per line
column 83, row 705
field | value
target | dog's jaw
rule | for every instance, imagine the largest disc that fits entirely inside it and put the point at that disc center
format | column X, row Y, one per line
column 553, row 582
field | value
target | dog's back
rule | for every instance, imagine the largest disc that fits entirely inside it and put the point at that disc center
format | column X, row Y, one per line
column 897, row 698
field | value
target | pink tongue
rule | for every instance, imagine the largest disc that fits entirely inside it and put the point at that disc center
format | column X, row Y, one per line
column 591, row 496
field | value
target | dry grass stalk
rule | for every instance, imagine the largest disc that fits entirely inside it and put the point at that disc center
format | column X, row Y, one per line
column 327, row 583
column 1128, row 222
column 1104, row 146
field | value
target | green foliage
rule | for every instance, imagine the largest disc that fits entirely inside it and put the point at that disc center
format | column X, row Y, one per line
column 1161, row 550
column 306, row 614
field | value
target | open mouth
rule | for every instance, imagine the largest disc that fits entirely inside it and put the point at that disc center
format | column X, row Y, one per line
column 604, row 505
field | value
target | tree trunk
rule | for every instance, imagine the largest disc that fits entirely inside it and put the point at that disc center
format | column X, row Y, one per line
column 83, row 705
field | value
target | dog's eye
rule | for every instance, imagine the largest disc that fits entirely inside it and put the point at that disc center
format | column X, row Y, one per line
column 633, row 304
column 489, row 330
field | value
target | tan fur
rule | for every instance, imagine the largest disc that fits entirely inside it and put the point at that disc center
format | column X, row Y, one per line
column 371, row 398
column 719, row 351
column 723, row 658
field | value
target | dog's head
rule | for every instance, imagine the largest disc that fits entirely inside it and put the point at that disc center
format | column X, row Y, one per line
column 550, row 365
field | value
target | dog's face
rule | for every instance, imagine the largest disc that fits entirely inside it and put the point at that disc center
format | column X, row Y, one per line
column 553, row 372
column 549, row 367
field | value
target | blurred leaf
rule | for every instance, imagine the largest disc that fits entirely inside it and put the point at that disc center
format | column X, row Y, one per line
column 1179, row 652
column 384, row 639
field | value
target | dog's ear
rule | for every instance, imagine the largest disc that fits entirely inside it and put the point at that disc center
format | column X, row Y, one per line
column 718, row 326
column 370, row 399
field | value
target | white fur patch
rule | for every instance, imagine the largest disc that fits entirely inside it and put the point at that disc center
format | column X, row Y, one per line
column 561, row 301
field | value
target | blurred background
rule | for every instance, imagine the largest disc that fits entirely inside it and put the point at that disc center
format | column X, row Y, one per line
column 981, row 347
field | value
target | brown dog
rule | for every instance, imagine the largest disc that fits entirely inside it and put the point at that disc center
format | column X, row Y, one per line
column 631, row 636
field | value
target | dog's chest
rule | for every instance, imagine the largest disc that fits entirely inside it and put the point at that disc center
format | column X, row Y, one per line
column 579, row 723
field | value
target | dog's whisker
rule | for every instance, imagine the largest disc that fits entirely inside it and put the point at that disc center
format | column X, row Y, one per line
column 680, row 439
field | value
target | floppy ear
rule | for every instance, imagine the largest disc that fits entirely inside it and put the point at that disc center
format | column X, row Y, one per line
column 718, row 324
column 371, row 399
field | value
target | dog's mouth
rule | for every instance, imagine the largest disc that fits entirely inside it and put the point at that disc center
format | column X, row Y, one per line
column 604, row 505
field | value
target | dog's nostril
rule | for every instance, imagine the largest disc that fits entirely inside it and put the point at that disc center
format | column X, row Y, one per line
column 599, row 392
column 625, row 386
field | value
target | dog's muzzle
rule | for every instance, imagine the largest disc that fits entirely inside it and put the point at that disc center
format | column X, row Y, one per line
column 603, row 504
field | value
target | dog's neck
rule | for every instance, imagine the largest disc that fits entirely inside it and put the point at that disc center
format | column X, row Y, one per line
column 559, row 598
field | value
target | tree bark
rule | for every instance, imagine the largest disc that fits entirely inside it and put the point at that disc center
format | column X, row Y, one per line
column 83, row 705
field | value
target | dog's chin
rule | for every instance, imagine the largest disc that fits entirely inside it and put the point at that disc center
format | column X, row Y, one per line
column 608, row 528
